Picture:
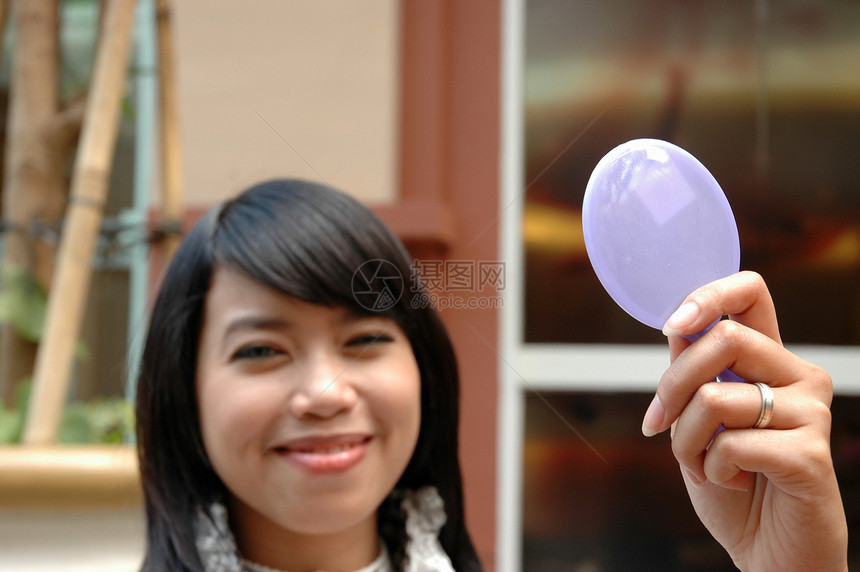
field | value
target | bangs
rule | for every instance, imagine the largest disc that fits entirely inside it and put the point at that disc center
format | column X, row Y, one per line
column 308, row 242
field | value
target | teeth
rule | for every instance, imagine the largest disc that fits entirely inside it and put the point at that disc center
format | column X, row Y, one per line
column 330, row 450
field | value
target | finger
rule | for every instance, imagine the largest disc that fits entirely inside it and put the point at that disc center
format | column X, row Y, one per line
column 746, row 352
column 729, row 345
column 677, row 344
column 732, row 406
column 743, row 297
column 791, row 459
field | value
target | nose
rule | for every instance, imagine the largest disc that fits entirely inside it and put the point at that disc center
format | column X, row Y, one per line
column 325, row 390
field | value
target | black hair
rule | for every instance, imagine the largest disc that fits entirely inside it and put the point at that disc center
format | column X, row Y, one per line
column 307, row 241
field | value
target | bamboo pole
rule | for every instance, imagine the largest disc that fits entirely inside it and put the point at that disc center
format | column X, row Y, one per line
column 171, row 151
column 4, row 12
column 70, row 284
column 34, row 185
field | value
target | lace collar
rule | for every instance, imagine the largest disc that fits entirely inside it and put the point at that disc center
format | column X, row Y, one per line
column 425, row 516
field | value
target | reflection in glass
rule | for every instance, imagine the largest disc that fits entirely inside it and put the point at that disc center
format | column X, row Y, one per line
column 627, row 508
column 765, row 94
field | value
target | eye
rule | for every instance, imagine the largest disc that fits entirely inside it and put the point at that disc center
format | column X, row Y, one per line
column 256, row 351
column 369, row 338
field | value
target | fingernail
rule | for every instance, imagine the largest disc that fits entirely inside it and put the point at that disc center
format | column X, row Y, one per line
column 683, row 317
column 653, row 420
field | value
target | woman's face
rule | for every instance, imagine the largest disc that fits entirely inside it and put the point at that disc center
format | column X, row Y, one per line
column 309, row 414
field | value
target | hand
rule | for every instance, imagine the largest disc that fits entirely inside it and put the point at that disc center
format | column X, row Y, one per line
column 768, row 495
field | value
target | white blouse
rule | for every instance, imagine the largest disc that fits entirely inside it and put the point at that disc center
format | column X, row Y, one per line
column 425, row 516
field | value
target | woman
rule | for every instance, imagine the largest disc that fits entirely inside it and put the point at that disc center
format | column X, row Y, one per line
column 286, row 424
column 291, row 249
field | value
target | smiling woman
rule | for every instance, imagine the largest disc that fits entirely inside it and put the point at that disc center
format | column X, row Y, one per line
column 278, row 417
column 309, row 418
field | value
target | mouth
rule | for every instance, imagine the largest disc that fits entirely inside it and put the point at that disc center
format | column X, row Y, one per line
column 321, row 455
column 324, row 450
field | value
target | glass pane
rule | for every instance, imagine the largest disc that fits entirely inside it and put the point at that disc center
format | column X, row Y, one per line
column 624, row 507
column 765, row 94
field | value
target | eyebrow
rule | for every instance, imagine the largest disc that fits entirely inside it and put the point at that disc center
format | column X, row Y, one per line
column 258, row 323
column 265, row 322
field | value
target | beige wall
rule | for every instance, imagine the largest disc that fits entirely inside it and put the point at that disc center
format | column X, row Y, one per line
column 298, row 88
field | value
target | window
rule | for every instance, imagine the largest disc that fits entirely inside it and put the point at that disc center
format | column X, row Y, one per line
column 762, row 94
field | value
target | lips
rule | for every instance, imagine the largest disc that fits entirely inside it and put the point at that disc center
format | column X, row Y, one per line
column 327, row 449
column 325, row 454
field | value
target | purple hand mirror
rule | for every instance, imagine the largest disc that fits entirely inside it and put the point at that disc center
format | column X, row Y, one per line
column 657, row 226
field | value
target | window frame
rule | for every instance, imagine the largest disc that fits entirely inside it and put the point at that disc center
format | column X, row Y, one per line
column 568, row 367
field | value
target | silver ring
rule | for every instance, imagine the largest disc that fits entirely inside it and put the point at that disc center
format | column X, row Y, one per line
column 766, row 413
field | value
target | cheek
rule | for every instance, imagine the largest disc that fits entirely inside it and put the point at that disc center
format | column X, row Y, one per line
column 403, row 410
column 233, row 416
column 399, row 403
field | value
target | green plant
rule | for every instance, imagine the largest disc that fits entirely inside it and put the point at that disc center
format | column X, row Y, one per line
column 23, row 303
column 12, row 420
column 105, row 420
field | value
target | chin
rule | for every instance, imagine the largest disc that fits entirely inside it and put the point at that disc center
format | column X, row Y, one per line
column 329, row 512
column 327, row 522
